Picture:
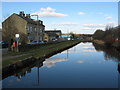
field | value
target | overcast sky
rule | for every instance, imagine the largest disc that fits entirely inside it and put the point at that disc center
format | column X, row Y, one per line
column 77, row 17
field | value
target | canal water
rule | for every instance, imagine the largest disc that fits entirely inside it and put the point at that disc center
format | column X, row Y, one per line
column 84, row 66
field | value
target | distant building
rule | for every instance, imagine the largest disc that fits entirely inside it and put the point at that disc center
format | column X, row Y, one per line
column 52, row 35
column 65, row 37
column 29, row 29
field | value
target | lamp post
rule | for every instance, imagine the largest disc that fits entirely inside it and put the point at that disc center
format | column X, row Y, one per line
column 17, row 39
column 37, row 27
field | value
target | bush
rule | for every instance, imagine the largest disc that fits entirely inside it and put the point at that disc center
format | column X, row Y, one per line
column 98, row 35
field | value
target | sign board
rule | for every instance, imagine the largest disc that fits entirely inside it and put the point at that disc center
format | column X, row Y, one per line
column 17, row 35
column 17, row 39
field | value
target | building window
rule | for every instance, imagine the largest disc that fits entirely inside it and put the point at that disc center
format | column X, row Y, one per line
column 45, row 37
column 40, row 31
column 30, row 28
column 35, row 29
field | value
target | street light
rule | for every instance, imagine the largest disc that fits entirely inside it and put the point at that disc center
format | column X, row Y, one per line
column 37, row 26
column 17, row 39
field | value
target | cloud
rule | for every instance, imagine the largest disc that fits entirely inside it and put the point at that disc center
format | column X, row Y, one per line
column 81, row 13
column 71, row 51
column 108, row 17
column 0, row 25
column 80, row 61
column 48, row 12
column 91, row 26
column 89, row 50
column 94, row 25
column 65, row 23
column 86, row 28
column 112, row 23
column 51, row 61
column 48, row 9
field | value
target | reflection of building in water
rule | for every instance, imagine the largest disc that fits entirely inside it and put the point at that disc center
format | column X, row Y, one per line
column 27, row 70
column 22, row 73
column 38, row 65
column 51, row 61
column 24, row 70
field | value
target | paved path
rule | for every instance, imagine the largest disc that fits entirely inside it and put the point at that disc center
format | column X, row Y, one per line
column 10, row 57
column 3, row 51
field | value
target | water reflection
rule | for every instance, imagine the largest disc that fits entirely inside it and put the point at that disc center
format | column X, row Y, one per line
column 110, row 53
column 119, row 67
column 71, row 68
column 88, row 48
column 80, row 61
column 23, row 71
column 50, row 62
column 71, row 50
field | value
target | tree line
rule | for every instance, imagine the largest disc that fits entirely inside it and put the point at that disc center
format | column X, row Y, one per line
column 109, row 36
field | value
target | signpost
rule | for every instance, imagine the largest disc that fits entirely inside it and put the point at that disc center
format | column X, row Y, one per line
column 17, row 39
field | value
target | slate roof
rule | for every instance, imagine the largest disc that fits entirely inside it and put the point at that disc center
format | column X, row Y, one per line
column 29, row 20
column 51, row 33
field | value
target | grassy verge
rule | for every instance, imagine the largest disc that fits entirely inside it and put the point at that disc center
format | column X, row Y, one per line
column 37, row 52
column 100, row 42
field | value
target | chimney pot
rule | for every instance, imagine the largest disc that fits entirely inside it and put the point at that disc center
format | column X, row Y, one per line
column 22, row 13
column 27, row 15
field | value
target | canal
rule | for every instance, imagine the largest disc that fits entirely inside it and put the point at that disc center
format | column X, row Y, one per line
column 85, row 65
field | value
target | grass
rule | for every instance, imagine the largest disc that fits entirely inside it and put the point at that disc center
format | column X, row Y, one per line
column 37, row 52
column 100, row 42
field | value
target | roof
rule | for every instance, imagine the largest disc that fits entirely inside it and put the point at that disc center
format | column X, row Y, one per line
column 53, row 31
column 51, row 34
column 29, row 20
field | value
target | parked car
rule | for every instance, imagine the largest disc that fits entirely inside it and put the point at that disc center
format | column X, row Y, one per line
column 54, row 39
column 36, row 42
column 4, row 44
column 45, row 41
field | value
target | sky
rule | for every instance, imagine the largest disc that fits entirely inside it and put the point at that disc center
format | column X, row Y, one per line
column 76, row 17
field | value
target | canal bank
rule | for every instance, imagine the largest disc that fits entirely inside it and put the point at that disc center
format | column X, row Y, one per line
column 40, row 53
column 115, row 44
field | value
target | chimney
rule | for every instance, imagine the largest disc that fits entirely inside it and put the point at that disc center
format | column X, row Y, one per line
column 41, row 22
column 27, row 15
column 22, row 13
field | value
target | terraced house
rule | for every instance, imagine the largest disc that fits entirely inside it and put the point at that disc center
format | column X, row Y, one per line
column 51, row 35
column 28, row 29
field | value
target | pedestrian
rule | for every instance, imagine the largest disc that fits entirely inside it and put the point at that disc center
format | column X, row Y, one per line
column 11, row 45
column 14, row 46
